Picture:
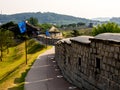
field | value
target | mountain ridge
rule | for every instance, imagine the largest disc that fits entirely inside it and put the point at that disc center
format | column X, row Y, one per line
column 46, row 17
column 102, row 19
column 54, row 18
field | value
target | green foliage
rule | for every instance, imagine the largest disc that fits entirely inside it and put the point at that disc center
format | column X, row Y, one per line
column 7, row 25
column 108, row 27
column 75, row 33
column 87, row 31
column 13, row 27
column 80, row 24
column 6, row 38
column 71, row 33
column 45, row 26
column 73, row 25
column 34, row 46
column 33, row 21
column 67, row 34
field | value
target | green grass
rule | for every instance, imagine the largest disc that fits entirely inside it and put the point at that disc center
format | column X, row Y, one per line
column 13, row 68
column 86, row 31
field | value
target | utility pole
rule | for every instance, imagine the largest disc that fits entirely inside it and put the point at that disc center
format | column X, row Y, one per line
column 26, row 43
column 23, row 29
column 26, row 48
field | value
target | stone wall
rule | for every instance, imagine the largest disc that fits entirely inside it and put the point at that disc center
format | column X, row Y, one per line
column 106, row 64
column 50, row 41
column 93, row 65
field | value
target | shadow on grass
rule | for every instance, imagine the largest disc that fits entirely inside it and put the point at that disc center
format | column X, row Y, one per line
column 35, row 48
column 17, row 56
column 19, row 81
column 19, row 87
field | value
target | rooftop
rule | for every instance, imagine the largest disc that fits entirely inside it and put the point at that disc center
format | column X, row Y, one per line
column 109, row 37
column 82, row 39
column 53, row 29
column 66, row 40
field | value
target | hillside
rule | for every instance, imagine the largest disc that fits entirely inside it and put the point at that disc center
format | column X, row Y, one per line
column 108, row 19
column 115, row 19
column 13, row 68
column 102, row 19
column 46, row 17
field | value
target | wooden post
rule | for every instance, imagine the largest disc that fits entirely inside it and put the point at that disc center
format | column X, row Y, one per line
column 26, row 49
column 1, row 53
column 46, row 41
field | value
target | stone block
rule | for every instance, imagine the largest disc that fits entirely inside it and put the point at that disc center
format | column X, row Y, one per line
column 115, row 86
column 106, row 74
column 93, row 44
column 103, row 66
column 118, row 65
column 117, row 49
column 108, row 68
column 112, row 49
column 94, row 50
column 102, row 73
column 102, row 52
column 116, row 72
column 106, row 54
column 98, row 51
column 111, row 85
column 116, row 55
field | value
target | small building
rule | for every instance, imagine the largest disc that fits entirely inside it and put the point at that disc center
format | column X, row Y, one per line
column 32, row 31
column 55, row 33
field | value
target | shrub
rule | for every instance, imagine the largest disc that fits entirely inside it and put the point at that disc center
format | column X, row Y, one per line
column 107, row 27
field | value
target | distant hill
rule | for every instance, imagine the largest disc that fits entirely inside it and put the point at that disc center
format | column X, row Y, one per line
column 102, row 19
column 106, row 19
column 116, row 20
column 46, row 17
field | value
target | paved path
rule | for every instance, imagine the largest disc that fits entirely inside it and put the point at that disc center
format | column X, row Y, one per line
column 45, row 75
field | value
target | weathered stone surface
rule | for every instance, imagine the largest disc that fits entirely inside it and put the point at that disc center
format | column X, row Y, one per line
column 93, row 64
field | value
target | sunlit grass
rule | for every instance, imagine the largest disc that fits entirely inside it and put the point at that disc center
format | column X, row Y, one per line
column 13, row 68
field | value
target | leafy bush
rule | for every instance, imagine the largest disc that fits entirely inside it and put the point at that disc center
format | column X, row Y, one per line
column 34, row 46
column 108, row 27
column 67, row 34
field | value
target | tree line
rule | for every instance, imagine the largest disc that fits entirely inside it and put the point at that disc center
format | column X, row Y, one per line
column 110, row 27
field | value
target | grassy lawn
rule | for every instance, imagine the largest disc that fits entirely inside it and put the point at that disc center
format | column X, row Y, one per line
column 13, row 68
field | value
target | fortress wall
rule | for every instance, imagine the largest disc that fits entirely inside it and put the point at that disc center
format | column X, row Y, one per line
column 90, row 66
column 49, row 41
column 107, row 72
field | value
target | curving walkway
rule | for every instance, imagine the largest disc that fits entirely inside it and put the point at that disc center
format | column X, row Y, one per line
column 45, row 75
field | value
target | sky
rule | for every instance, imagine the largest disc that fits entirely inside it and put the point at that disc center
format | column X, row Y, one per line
column 79, row 8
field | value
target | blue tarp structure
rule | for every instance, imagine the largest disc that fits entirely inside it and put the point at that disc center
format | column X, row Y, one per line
column 22, row 27
column 47, row 33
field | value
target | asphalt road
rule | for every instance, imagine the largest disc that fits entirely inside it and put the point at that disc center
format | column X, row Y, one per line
column 46, row 75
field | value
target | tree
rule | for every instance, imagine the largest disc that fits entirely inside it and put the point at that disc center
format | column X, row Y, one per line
column 7, row 25
column 75, row 33
column 33, row 21
column 80, row 24
column 108, row 27
column 45, row 26
column 9, row 39
column 6, row 38
column 90, row 25
column 2, row 42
